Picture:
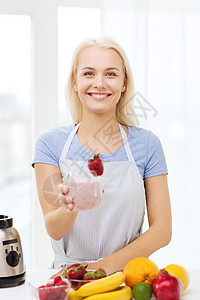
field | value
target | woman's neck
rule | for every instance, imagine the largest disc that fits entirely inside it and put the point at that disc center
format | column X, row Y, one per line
column 100, row 134
column 92, row 125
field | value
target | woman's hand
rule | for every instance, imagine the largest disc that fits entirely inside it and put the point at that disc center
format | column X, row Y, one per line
column 64, row 198
column 59, row 219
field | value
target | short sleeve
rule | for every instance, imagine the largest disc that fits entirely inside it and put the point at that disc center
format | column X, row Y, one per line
column 155, row 159
column 45, row 151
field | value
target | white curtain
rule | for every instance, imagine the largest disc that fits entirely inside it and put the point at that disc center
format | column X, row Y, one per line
column 163, row 45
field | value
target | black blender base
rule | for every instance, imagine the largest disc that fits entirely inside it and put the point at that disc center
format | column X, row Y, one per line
column 10, row 281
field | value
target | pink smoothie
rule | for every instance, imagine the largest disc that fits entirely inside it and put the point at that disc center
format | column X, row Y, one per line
column 88, row 193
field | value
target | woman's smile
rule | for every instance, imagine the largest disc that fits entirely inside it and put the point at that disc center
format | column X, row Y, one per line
column 99, row 96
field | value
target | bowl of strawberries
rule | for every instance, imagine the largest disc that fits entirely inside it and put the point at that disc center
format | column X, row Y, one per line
column 78, row 275
column 55, row 289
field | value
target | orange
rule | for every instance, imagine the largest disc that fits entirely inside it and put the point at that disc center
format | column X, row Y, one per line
column 140, row 269
column 180, row 272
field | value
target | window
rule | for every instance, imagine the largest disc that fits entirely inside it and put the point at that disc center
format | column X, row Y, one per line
column 15, row 126
column 86, row 22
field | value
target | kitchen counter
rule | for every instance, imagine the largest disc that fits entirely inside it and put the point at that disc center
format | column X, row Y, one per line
column 22, row 292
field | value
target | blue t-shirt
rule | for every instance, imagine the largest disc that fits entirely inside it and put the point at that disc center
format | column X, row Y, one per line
column 145, row 146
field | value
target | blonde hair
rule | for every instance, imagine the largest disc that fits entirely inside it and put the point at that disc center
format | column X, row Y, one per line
column 125, row 106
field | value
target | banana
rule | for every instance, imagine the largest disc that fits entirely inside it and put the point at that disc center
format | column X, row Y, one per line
column 72, row 296
column 123, row 293
column 102, row 285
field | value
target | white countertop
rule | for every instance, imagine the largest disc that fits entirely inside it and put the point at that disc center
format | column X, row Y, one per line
column 22, row 292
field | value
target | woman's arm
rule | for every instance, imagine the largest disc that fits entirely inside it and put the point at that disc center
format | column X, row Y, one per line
column 158, row 234
column 58, row 220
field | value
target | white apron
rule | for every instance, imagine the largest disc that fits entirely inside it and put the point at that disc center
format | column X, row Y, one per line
column 115, row 222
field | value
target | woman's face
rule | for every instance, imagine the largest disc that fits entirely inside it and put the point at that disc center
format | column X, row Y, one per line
column 100, row 80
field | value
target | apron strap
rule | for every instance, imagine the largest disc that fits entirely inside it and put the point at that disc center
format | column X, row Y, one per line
column 68, row 143
column 124, row 137
column 126, row 143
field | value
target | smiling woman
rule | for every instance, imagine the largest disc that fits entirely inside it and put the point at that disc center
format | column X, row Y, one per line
column 109, row 235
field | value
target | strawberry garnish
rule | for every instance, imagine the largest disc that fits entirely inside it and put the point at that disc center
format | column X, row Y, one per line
column 95, row 165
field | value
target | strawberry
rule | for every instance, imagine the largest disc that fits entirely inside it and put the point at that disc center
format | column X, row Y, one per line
column 42, row 292
column 73, row 265
column 48, row 292
column 76, row 272
column 95, row 165
column 100, row 273
column 61, row 282
column 90, row 276
column 57, row 279
column 64, row 274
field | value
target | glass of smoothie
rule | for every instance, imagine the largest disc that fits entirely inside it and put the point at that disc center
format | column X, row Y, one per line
column 87, row 192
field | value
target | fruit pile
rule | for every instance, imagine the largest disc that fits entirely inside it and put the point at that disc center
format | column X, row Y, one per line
column 140, row 279
column 145, row 279
column 56, row 290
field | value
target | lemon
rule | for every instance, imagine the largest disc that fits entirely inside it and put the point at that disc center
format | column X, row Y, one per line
column 180, row 272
